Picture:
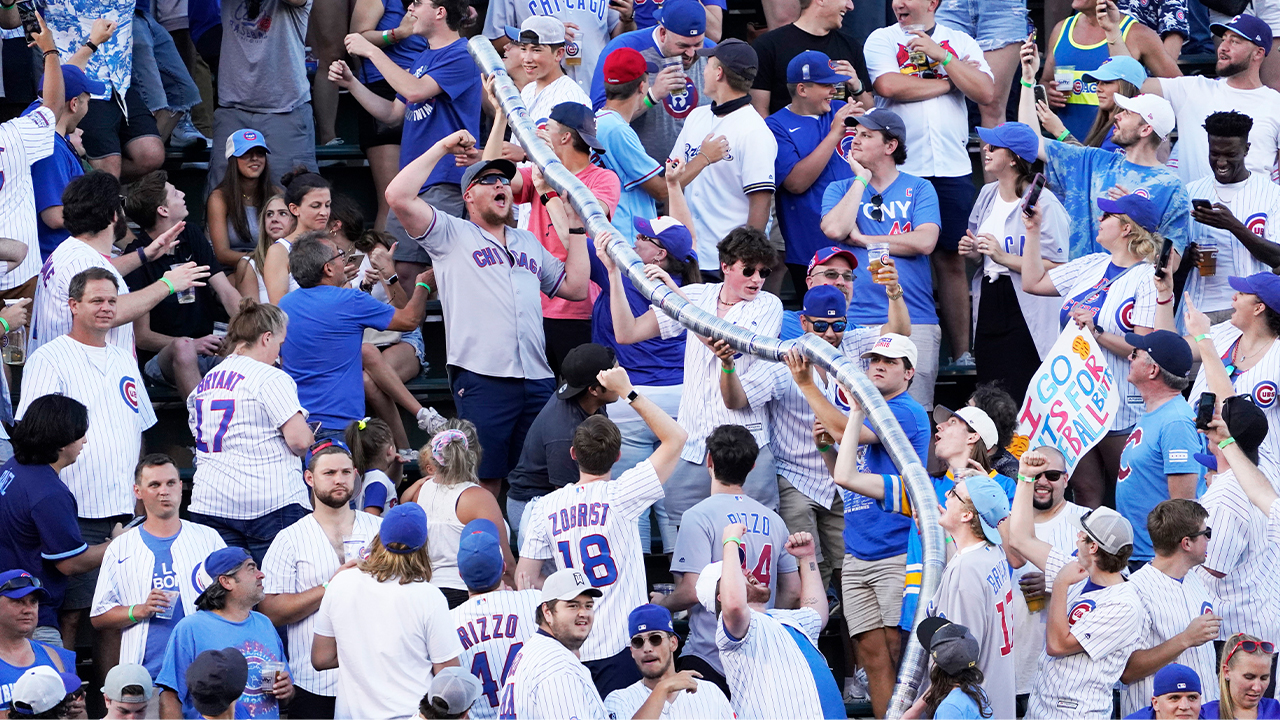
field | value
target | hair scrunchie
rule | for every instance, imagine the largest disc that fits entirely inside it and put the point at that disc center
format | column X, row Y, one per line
column 442, row 440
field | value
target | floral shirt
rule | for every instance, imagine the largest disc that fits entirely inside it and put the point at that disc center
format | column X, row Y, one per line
column 113, row 62
column 1163, row 16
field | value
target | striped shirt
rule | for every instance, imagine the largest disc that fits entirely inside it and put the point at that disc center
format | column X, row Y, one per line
column 767, row 672
column 50, row 315
column 23, row 141
column 708, row 703
column 1171, row 605
column 493, row 628
column 549, row 682
column 1254, row 201
column 1259, row 382
column 1029, row 628
column 1246, row 594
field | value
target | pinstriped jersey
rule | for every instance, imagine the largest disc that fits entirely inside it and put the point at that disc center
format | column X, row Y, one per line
column 50, row 315
column 1246, row 594
column 1259, row 382
column 23, row 141
column 594, row 527
column 493, row 628
column 244, row 467
column 1255, row 202
column 1171, row 605
column 548, row 682
column 767, row 672
column 708, row 703
column 107, row 381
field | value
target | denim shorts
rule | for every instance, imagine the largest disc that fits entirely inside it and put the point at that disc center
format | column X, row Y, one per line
column 993, row 23
column 158, row 70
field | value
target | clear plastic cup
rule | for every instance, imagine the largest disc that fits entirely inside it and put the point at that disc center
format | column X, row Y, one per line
column 174, row 598
column 270, row 672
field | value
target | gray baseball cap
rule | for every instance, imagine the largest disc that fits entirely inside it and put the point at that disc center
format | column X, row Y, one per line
column 1105, row 526
column 506, row 167
column 453, row 690
column 126, row 677
column 886, row 120
column 567, row 584
column 952, row 647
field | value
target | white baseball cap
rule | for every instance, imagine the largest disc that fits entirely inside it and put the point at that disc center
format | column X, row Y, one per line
column 977, row 420
column 567, row 584
column 38, row 690
column 893, row 345
column 1154, row 109
column 708, row 585
column 539, row 29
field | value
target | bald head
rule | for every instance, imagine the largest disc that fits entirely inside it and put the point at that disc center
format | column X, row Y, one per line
column 1051, row 482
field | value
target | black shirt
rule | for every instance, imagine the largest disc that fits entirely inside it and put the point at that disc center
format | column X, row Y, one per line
column 545, row 463
column 776, row 48
column 193, row 320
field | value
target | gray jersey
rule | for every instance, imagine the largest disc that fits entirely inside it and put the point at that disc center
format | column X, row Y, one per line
column 491, row 296
column 698, row 545
column 659, row 127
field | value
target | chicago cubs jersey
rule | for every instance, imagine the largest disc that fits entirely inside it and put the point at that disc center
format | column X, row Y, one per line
column 718, row 196
column 493, row 628
column 708, row 703
column 594, row 21
column 547, row 681
column 244, row 467
column 1246, row 593
column 539, row 102
column 1163, row 443
column 1258, row 382
column 595, row 527
column 1171, row 605
column 23, row 141
column 1029, row 627
column 107, row 381
column 768, row 674
column 1254, row 202
column 377, row 491
column 50, row 315
column 791, row 434
column 1119, row 299
column 300, row 558
column 1194, row 98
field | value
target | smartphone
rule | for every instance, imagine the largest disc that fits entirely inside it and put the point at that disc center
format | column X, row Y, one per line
column 1204, row 410
column 1032, row 196
column 136, row 522
column 356, row 259
column 1201, row 204
column 1162, row 262
column 27, row 14
column 315, row 426
column 1041, row 95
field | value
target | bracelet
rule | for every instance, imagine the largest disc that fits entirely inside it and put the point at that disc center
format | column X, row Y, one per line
column 169, row 282
column 648, row 99
column 91, row 45
column 1025, row 84
column 132, row 619
column 1164, row 302
column 142, row 256
column 424, row 285
column 1202, row 336
column 726, row 541
column 729, row 371
column 1025, row 479
column 47, row 53
column 6, row 7
column 5, row 323
column 823, row 448
column 861, row 91
column 948, row 58
column 1223, row 445
column 894, row 295
column 1065, row 134
column 385, row 38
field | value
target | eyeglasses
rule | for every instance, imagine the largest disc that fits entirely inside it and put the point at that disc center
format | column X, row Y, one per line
column 833, row 275
column 655, row 639
column 341, row 254
column 877, row 207
column 1051, row 475
column 952, row 493
column 820, row 326
column 493, row 179
column 22, row 581
column 764, row 272
column 1207, row 532
column 1250, row 647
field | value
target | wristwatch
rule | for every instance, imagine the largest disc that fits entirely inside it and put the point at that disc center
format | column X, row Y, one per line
column 577, row 231
column 547, row 196
column 631, row 396
column 393, row 279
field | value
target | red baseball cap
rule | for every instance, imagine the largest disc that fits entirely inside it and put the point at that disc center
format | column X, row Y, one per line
column 624, row 65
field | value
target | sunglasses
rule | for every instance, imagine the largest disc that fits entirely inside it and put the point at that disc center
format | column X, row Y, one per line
column 655, row 639
column 834, row 275
column 820, row 326
column 22, row 581
column 764, row 272
column 1051, row 475
column 1250, row 647
column 1207, row 533
column 877, row 207
column 494, row 179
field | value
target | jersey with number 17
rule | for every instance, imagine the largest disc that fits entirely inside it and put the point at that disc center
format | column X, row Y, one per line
column 594, row 527
column 493, row 628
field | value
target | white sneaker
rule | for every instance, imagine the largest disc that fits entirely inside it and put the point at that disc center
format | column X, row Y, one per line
column 408, row 456
column 965, row 361
column 186, row 135
column 429, row 420
column 855, row 688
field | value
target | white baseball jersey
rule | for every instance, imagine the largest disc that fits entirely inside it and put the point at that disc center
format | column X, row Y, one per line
column 1029, row 627
column 595, row 527
column 548, row 682
column 977, row 592
column 1258, row 382
column 594, row 21
column 767, row 672
column 128, row 577
column 1171, row 605
column 23, row 141
column 539, row 102
column 1102, row 620
column 1195, row 98
column 244, row 467
column 1128, row 301
column 107, row 381
column 718, row 196
column 375, row 484
column 1246, row 594
column 1255, row 202
column 493, row 627
column 708, row 703
column 50, row 315
column 300, row 558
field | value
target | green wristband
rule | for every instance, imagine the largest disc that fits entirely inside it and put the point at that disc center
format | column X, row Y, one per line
column 1025, row 479
column 732, row 540
column 728, row 371
column 1202, row 336
column 132, row 619
column 5, row 323
column 424, row 285
column 947, row 59
column 169, row 282
column 1025, row 84
column 823, row 448
column 1223, row 445
column 1065, row 134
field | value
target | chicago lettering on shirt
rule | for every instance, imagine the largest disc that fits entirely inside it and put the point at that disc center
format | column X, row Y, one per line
column 599, row 8
column 491, row 256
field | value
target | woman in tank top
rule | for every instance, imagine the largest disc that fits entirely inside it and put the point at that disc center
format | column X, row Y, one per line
column 308, row 197
column 234, row 205
column 274, row 222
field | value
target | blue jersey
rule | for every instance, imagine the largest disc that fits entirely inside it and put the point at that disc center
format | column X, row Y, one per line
column 1082, row 101
column 38, row 528
column 907, row 203
column 404, row 52
column 657, row 361
column 1081, row 175
column 456, row 107
column 1162, row 443
column 647, row 11
column 870, row 533
column 626, row 157
column 255, row 638
column 50, row 177
column 163, row 577
column 9, row 674
column 799, row 214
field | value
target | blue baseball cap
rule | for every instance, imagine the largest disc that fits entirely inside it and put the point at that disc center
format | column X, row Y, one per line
column 686, row 18
column 824, row 254
column 75, row 82
column 580, row 119
column 225, row 561
column 479, row 555
column 648, row 618
column 1167, row 349
column 404, row 525
column 1139, row 209
column 242, row 141
column 886, row 120
column 1119, row 67
column 20, row 583
column 671, row 233
column 1016, row 137
column 1264, row 284
column 812, row 66
column 824, row 302
column 1175, row 677
column 324, row 445
column 1248, row 27
column 991, row 502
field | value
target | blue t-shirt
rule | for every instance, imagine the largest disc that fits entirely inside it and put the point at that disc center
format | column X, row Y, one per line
column 908, row 203
column 38, row 528
column 626, row 157
column 321, row 351
column 163, row 577
column 1162, row 443
column 657, row 361
column 647, row 11
column 50, row 177
column 1081, row 175
column 1267, row 709
column 456, row 107
column 10, row 674
column 799, row 215
column 828, row 692
column 870, row 533
column 403, row 52
column 957, row 706
column 255, row 638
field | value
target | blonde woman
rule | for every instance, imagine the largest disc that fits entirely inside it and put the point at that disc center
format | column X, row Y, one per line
column 1109, row 294
column 1242, row 679
column 274, row 222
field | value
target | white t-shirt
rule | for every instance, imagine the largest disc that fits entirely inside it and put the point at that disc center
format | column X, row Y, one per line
column 1256, row 203
column 994, row 224
column 1195, row 97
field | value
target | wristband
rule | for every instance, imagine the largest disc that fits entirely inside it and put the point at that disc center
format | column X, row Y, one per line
column 424, row 285
column 169, row 282
column 91, row 45
column 47, row 53
column 132, row 619
column 1164, row 302
column 1202, row 336
column 1025, row 84
column 6, row 7
column 1065, row 134
column 324, row 586
column 1223, row 445
column 648, row 99
column 385, row 38
column 1025, row 479
column 548, row 196
column 728, row 371
column 947, row 59
column 864, row 179
column 823, row 448
column 5, row 323
column 142, row 256
column 726, row 541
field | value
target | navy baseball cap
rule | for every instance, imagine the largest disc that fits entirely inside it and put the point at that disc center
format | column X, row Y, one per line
column 75, row 82
column 226, row 561
column 1016, row 137
column 1167, row 349
column 580, row 119
column 952, row 647
column 324, row 445
column 886, row 120
column 824, row 302
column 15, row 584
column 506, row 167
column 581, row 366
column 1246, row 422
column 1175, row 677
column 242, row 141
column 216, row 679
column 648, row 618
column 812, row 66
column 1248, row 27
column 671, row 234
column 404, row 526
column 480, row 560
column 735, row 55
column 1119, row 67
column 686, row 18
column 1264, row 284
column 1139, row 209
column 826, row 253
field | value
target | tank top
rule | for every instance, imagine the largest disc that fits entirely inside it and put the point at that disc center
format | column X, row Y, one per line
column 238, row 243
column 1082, row 102
column 404, row 52
column 445, row 530
column 293, row 284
